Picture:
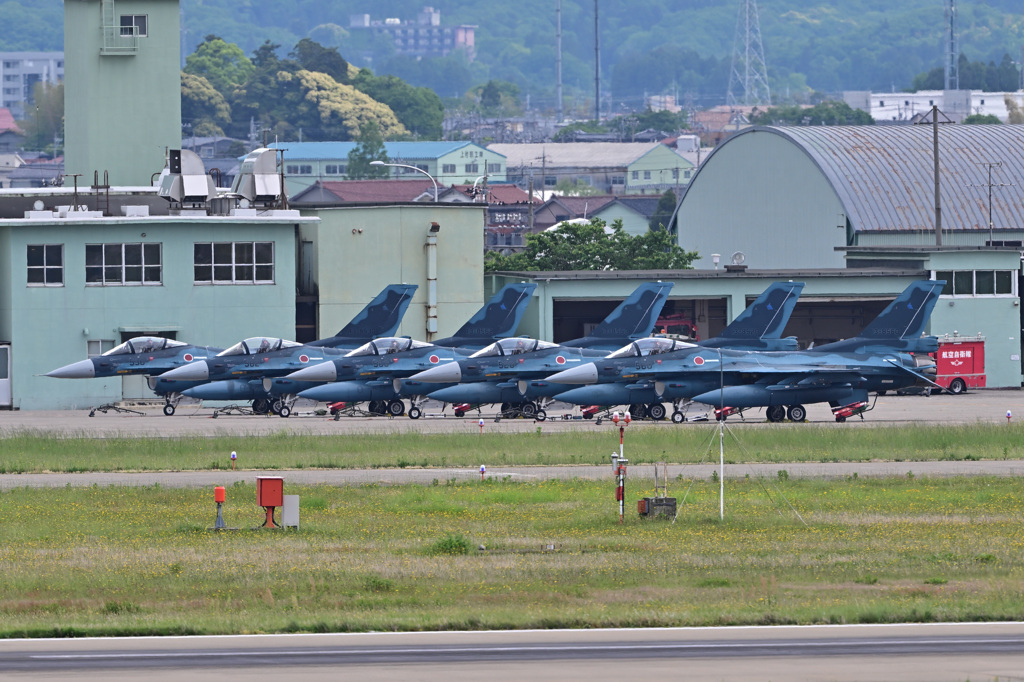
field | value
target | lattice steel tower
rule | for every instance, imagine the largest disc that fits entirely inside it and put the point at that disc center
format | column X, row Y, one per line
column 952, row 48
column 748, row 68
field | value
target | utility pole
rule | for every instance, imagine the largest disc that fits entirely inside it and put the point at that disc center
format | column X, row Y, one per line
column 597, row 67
column 952, row 71
column 989, row 165
column 558, row 62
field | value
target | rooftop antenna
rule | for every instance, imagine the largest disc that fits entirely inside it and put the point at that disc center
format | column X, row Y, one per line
column 748, row 67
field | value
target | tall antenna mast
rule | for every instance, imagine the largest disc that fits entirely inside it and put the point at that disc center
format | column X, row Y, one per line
column 748, row 68
column 558, row 61
column 597, row 67
column 952, row 73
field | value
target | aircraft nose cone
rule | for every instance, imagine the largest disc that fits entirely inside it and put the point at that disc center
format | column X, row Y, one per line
column 449, row 373
column 324, row 371
column 194, row 371
column 584, row 374
column 83, row 369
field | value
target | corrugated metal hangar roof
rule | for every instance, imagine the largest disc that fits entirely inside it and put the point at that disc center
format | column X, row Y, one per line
column 884, row 175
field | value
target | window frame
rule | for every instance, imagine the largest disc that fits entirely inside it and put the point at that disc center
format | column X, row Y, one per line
column 956, row 279
column 220, row 266
column 141, row 28
column 106, row 251
column 45, row 268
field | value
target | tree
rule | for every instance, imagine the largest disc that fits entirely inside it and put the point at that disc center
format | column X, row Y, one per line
column 589, row 246
column 45, row 120
column 418, row 109
column 223, row 64
column 981, row 119
column 576, row 188
column 831, row 113
column 202, row 106
column 1014, row 114
column 313, row 56
column 370, row 148
column 663, row 212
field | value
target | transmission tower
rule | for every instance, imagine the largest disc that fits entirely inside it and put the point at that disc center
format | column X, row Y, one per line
column 952, row 48
column 748, row 71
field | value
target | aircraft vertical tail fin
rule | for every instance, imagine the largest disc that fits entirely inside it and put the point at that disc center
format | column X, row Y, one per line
column 902, row 323
column 634, row 318
column 498, row 318
column 382, row 315
column 767, row 316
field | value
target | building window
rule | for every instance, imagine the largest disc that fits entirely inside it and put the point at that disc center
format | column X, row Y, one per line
column 618, row 179
column 881, row 103
column 647, row 175
column 134, row 25
column 977, row 282
column 550, row 180
column 332, row 169
column 473, row 167
column 686, row 175
column 122, row 264
column 234, row 263
column 636, row 175
column 97, row 347
column 494, row 168
column 448, row 169
column 46, row 265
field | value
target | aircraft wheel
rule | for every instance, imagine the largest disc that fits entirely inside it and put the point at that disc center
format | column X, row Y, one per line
column 776, row 413
column 840, row 418
column 656, row 411
column 678, row 417
column 376, row 407
column 168, row 410
column 637, row 411
column 459, row 413
column 540, row 415
column 260, row 406
column 285, row 411
column 588, row 416
column 505, row 407
column 797, row 413
column 957, row 386
column 528, row 409
column 719, row 417
column 396, row 408
column 276, row 406
column 414, row 413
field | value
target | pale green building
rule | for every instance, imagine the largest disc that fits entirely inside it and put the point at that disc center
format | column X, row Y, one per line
column 122, row 86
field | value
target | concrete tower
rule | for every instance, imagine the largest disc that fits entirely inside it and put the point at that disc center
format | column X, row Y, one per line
column 122, row 87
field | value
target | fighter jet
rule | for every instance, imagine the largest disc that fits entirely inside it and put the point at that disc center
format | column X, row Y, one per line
column 268, row 390
column 509, row 374
column 633, row 317
column 842, row 374
column 139, row 355
column 154, row 356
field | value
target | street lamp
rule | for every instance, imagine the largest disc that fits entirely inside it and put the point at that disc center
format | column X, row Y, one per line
column 405, row 165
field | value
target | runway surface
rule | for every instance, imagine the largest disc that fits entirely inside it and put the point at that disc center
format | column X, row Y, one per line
column 960, row 652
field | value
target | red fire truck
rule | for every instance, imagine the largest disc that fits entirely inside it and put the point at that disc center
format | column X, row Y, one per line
column 960, row 362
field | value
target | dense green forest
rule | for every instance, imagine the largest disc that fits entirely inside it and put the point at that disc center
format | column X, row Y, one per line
column 648, row 47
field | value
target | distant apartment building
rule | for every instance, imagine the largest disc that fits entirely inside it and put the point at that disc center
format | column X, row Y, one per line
column 422, row 37
column 907, row 107
column 19, row 73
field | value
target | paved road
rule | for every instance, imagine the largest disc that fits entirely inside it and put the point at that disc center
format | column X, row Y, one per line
column 892, row 652
column 980, row 406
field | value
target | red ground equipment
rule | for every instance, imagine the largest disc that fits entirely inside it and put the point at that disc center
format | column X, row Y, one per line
column 721, row 414
column 843, row 412
column 960, row 363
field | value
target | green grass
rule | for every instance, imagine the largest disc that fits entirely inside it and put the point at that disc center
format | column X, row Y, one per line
column 28, row 452
column 106, row 561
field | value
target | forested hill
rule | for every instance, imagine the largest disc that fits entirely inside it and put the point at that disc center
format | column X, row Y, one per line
column 648, row 46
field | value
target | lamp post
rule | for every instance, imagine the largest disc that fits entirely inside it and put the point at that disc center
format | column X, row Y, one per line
column 405, row 165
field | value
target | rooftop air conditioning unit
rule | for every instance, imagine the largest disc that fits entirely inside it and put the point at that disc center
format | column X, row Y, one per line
column 186, row 181
column 258, row 180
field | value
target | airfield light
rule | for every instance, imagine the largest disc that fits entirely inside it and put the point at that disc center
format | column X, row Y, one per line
column 1008, row 415
column 481, row 426
column 234, row 456
column 483, row 471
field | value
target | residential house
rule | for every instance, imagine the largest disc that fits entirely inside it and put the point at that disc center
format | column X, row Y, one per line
column 558, row 209
column 334, row 193
column 507, row 221
column 634, row 211
column 611, row 167
column 11, row 136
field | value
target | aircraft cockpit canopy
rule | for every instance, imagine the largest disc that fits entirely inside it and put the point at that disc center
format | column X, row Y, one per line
column 513, row 346
column 144, row 344
column 652, row 345
column 257, row 345
column 387, row 345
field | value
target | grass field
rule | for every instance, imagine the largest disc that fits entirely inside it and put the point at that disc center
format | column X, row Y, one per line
column 106, row 561
column 22, row 452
